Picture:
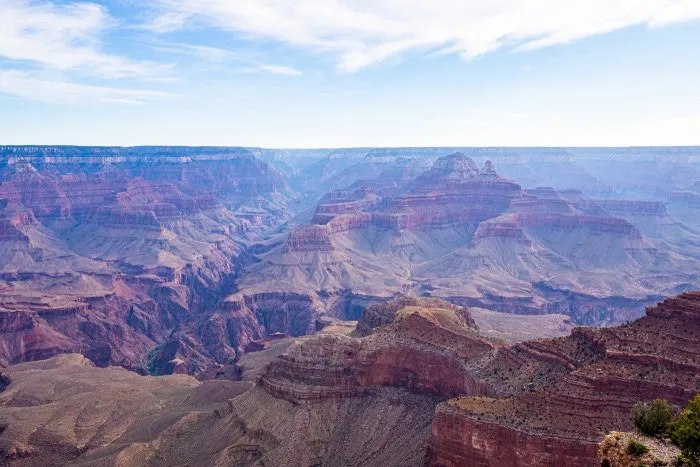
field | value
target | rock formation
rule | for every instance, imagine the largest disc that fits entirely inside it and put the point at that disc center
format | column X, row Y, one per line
column 611, row 370
column 546, row 402
column 612, row 451
column 474, row 238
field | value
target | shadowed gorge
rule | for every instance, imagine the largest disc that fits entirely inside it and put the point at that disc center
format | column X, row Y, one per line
column 123, row 254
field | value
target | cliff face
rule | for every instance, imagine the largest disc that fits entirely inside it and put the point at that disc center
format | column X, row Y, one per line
column 422, row 345
column 654, row 357
column 124, row 254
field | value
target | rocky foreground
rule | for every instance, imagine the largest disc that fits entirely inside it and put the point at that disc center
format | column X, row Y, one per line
column 416, row 382
column 612, row 451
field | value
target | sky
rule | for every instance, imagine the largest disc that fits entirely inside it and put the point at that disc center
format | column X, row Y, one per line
column 345, row 73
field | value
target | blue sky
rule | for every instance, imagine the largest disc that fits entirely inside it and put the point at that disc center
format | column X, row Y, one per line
column 339, row 73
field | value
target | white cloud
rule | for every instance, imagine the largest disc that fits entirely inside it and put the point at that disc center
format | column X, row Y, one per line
column 364, row 32
column 33, row 86
column 63, row 37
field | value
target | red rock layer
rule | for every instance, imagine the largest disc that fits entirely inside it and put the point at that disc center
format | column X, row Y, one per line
column 311, row 238
column 544, row 402
column 425, row 350
column 456, row 193
column 469, row 201
column 501, row 227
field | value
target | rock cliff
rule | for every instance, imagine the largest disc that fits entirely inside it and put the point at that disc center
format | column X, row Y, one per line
column 654, row 357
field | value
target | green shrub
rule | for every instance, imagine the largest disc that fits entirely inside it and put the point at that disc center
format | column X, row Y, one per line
column 685, row 431
column 636, row 449
column 652, row 418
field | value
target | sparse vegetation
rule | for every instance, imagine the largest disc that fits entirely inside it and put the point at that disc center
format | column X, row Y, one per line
column 652, row 418
column 637, row 449
column 685, row 432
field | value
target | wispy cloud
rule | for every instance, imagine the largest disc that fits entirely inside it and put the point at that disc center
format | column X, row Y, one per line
column 54, row 52
column 361, row 33
column 64, row 37
column 33, row 86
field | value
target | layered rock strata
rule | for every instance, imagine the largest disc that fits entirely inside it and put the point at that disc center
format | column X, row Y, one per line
column 654, row 357
column 333, row 399
column 125, row 254
column 466, row 234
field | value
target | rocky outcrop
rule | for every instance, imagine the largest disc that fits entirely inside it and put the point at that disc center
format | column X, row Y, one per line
column 456, row 166
column 345, row 201
column 311, row 238
column 383, row 314
column 612, row 451
column 422, row 345
column 506, row 226
column 452, row 192
column 653, row 357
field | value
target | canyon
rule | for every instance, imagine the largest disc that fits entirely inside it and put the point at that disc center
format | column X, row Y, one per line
column 173, row 259
column 111, row 252
column 363, row 306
